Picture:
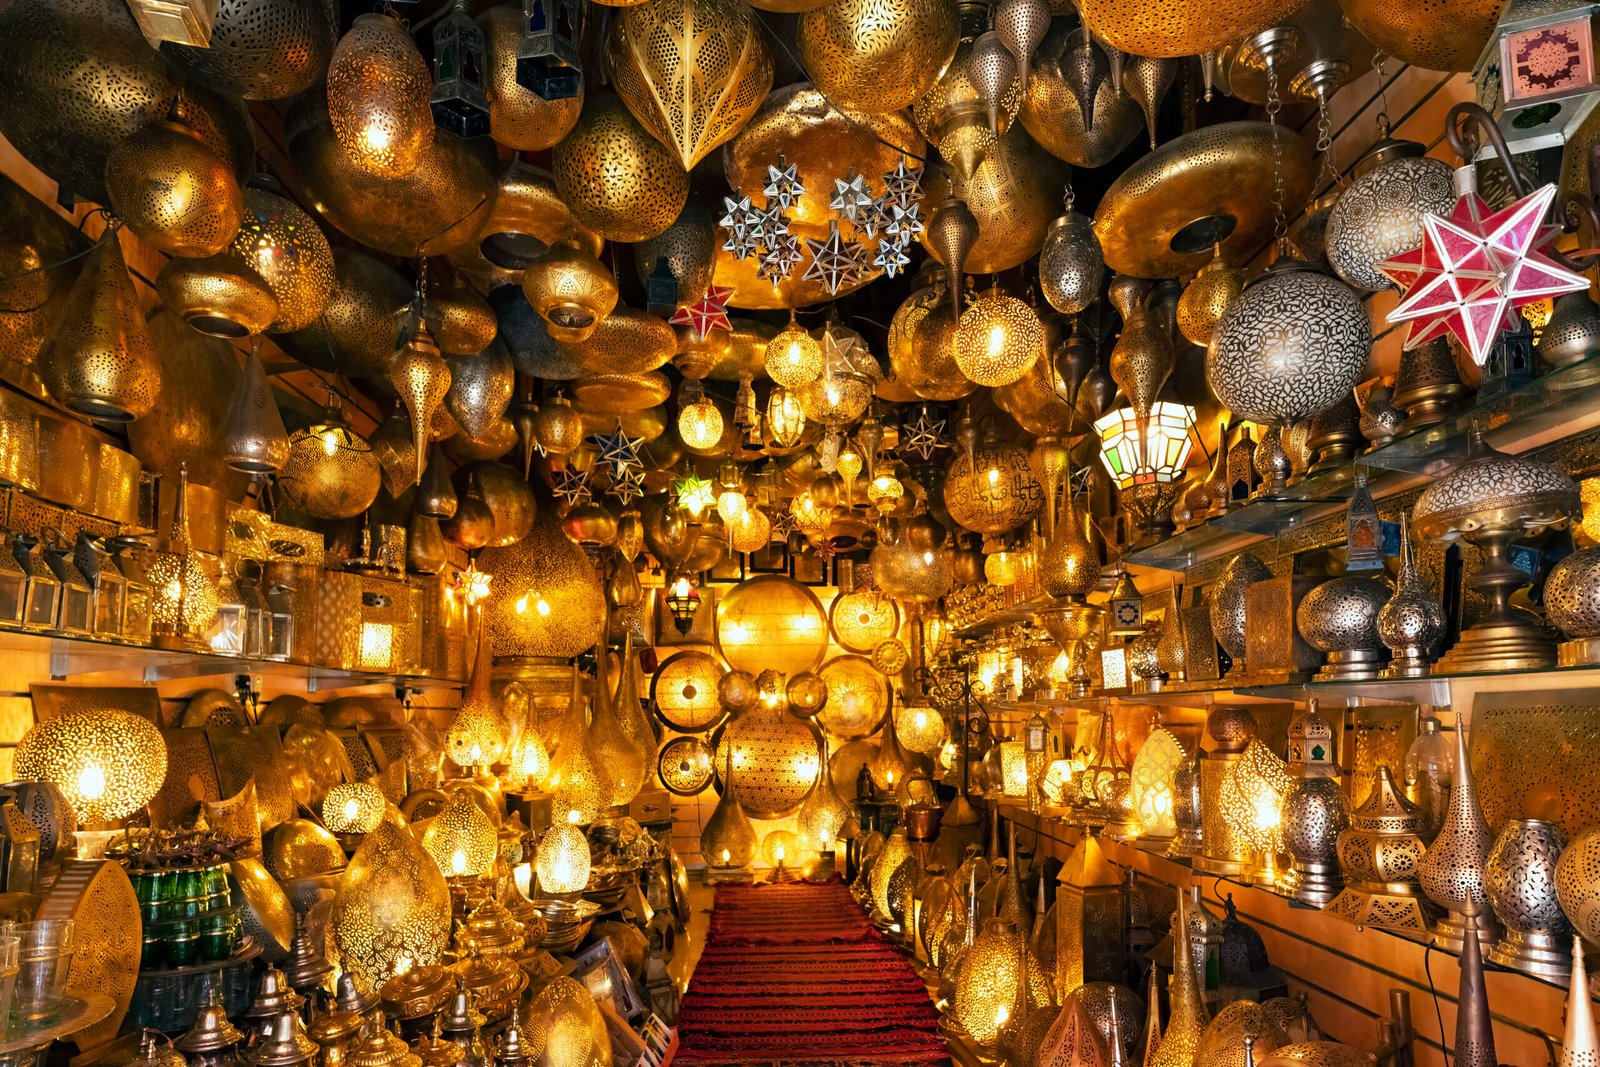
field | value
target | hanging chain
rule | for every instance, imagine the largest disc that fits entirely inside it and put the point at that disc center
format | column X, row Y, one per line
column 1378, row 60
column 1280, row 219
column 1330, row 176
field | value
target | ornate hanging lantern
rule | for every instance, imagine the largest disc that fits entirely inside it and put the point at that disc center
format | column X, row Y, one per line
column 220, row 296
column 974, row 100
column 459, row 102
column 998, row 339
column 332, row 471
column 378, row 89
column 1070, row 262
column 260, row 49
column 547, row 59
column 289, row 250
column 993, row 489
column 793, row 358
column 174, row 190
column 619, row 181
column 546, row 599
column 422, row 378
column 656, row 48
column 563, row 859
column 1205, row 299
column 873, row 59
column 254, row 439
column 571, row 290
column 1380, row 215
column 771, row 622
column 519, row 118
column 392, row 911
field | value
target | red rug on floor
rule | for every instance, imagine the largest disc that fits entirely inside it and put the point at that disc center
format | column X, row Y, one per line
column 796, row 975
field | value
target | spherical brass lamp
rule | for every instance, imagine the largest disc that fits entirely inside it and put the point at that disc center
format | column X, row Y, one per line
column 108, row 763
column 993, row 490
column 353, row 808
column 771, row 622
column 332, row 472
column 174, row 190
column 793, row 358
column 618, row 180
column 997, row 339
column 563, row 860
column 863, row 618
column 461, row 838
column 564, row 1027
column 875, row 58
column 571, row 290
column 378, row 89
column 392, row 910
column 545, row 599
column 289, row 250
column 770, row 759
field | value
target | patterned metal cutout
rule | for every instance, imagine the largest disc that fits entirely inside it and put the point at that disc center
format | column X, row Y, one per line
column 618, row 180
column 1382, row 736
column 684, row 691
column 1514, row 745
column 858, row 698
column 97, row 896
column 684, row 766
column 773, row 758
column 262, row 49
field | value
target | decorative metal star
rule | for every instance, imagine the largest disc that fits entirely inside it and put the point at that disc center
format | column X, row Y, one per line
column 825, row 549
column 736, row 213
column 572, row 485
column 850, row 197
column 619, row 451
column 781, row 256
column 891, row 257
column 695, row 493
column 708, row 313
column 1475, row 269
column 627, row 486
column 924, row 437
column 783, row 184
column 771, row 222
column 835, row 262
column 903, row 185
column 743, row 224
column 782, row 524
column 873, row 218
column 904, row 222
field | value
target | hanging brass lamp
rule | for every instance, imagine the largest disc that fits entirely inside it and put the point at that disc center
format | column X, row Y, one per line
column 174, row 191
column 571, row 290
column 618, row 180
column 289, row 250
column 261, row 49
column 332, row 471
column 658, row 49
column 1170, row 30
column 1013, row 195
column 99, row 361
column 220, row 296
column 378, row 89
column 356, row 332
column 868, row 56
column 253, row 436
column 480, row 388
column 422, row 378
column 519, row 118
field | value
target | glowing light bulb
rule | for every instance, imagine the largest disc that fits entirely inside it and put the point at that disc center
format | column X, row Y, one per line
column 994, row 475
column 377, row 137
column 458, row 862
column 351, row 809
column 92, row 781
column 777, row 852
column 726, row 856
column 1267, row 814
column 574, row 816
column 542, row 607
column 997, row 341
column 330, row 442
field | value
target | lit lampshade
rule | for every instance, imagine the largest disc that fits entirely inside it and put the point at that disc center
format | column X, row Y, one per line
column 888, row 767
column 571, row 290
column 771, row 622
column 750, row 532
column 896, row 850
column 1003, row 568
column 885, row 491
column 786, row 419
column 772, row 758
column 699, row 421
column 562, row 860
column 174, row 190
column 1251, row 799
column 461, row 838
column 1014, row 768
column 422, row 378
column 289, row 250
column 863, row 618
column 732, row 504
column 998, row 338
column 392, row 910
column 823, row 815
column 1157, row 454
column 849, row 379
column 378, row 90
column 353, row 808
column 108, row 763
column 477, row 735
column 1114, row 668
column 780, row 848
column 993, row 975
column 793, row 358
column 184, row 599
column 564, row 1021
column 580, row 787
column 811, row 517
column 1158, row 758
column 624, row 762
column 332, row 471
column 530, row 760
column 919, row 727
column 728, row 840
column 545, row 599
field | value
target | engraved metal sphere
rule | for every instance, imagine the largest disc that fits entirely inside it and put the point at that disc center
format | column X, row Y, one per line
column 1294, row 344
column 1050, row 110
column 571, row 290
column 1316, row 1054
column 545, row 598
column 1228, row 597
column 1380, row 216
column 288, row 249
column 76, row 79
column 1014, row 194
column 1342, row 614
column 357, row 331
column 1573, row 332
column 1314, row 812
column 519, row 118
column 331, row 474
column 174, row 191
column 1493, row 488
column 1071, row 266
column 998, row 337
column 1572, row 594
column 1520, row 879
column 1578, row 884
column 627, row 342
column 618, row 180
column 993, row 491
column 221, row 296
column 1207, row 298
column 878, row 55
column 262, row 49
column 921, row 343
column 378, row 89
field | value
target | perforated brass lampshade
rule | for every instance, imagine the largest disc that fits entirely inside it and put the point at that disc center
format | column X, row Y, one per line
column 997, row 339
column 996, row 977
column 771, row 759
column 378, row 90
column 331, row 473
column 353, row 808
column 562, row 860
column 545, row 599
column 571, row 290
column 771, row 622
column 108, row 763
column 793, row 358
column 174, row 190
column 1153, row 767
column 289, row 250
column 728, row 839
column 392, row 910
column 619, row 181
column 477, row 735
column 461, row 838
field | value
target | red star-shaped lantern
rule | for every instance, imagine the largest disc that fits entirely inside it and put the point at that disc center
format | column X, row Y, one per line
column 708, row 313
column 1475, row 269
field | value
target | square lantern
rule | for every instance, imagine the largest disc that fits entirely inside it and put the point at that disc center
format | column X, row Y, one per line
column 1114, row 669
column 138, row 595
column 1125, row 609
column 459, row 102
column 41, row 601
column 180, row 21
column 1537, row 73
column 278, row 642
column 109, row 588
column 547, row 60
column 76, row 613
column 1154, row 452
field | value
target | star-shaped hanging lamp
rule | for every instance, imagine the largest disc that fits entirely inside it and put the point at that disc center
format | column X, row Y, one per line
column 925, row 436
column 903, row 185
column 835, row 262
column 1475, row 268
column 781, row 256
column 695, row 494
column 891, row 257
column 572, row 485
column 783, row 184
column 708, row 313
column 619, row 451
column 850, row 197
column 628, row 486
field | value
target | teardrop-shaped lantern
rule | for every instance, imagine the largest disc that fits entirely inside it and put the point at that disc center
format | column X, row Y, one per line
column 100, row 362
column 1142, row 359
column 175, row 191
column 579, row 783
column 728, row 839
column 425, row 550
column 289, row 250
column 436, row 496
column 254, row 439
column 378, row 90
column 952, row 231
column 625, row 761
column 1070, row 263
column 392, row 910
column 478, row 734
column 546, row 600
column 1206, row 298
column 1146, row 80
column 1069, row 565
column 480, row 388
column 630, row 708
column 618, row 180
column 422, row 378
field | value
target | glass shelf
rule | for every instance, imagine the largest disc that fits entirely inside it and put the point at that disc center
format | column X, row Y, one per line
column 1437, row 689
column 1554, row 405
column 1187, row 549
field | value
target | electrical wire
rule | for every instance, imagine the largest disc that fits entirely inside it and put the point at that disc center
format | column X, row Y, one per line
column 1427, row 969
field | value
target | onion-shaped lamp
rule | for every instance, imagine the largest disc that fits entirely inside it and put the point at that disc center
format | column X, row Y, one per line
column 108, row 763
column 476, row 737
column 822, row 816
column 174, row 191
column 998, row 339
column 461, row 838
column 997, row 977
column 392, row 910
column 546, row 600
column 562, row 860
column 378, row 90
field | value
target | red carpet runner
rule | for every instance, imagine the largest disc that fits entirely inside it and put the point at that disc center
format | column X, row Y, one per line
column 796, row 975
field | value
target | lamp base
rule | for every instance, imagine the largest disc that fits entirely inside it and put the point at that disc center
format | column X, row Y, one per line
column 1448, row 932
column 1519, row 645
column 729, row 876
column 1187, row 843
column 1408, row 665
column 1352, row 665
column 1312, row 883
column 1580, row 652
column 1378, row 907
column 1216, row 865
column 1533, row 952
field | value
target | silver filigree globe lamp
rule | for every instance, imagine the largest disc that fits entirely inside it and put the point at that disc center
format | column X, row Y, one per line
column 1380, row 215
column 1489, row 500
column 1227, row 606
column 1411, row 624
column 1339, row 618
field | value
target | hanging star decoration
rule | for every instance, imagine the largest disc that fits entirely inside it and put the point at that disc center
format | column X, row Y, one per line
column 825, row 549
column 743, row 224
column 835, row 262
column 783, row 184
column 708, row 313
column 627, row 486
column 891, row 257
column 772, row 224
column 694, row 494
column 925, row 436
column 875, row 217
column 904, row 222
column 572, row 485
column 781, row 255
column 850, row 197
column 782, row 525
column 619, row 451
column 1475, row 268
column 903, row 185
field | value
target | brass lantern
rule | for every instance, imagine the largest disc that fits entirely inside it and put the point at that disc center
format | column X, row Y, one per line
column 108, row 763
column 571, row 290
column 392, row 910
column 289, row 250
column 545, row 599
column 619, row 181
column 422, row 378
column 174, row 190
column 874, row 58
column 519, row 118
column 378, row 88
column 331, row 472
column 459, row 102
column 547, row 59
column 997, row 340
